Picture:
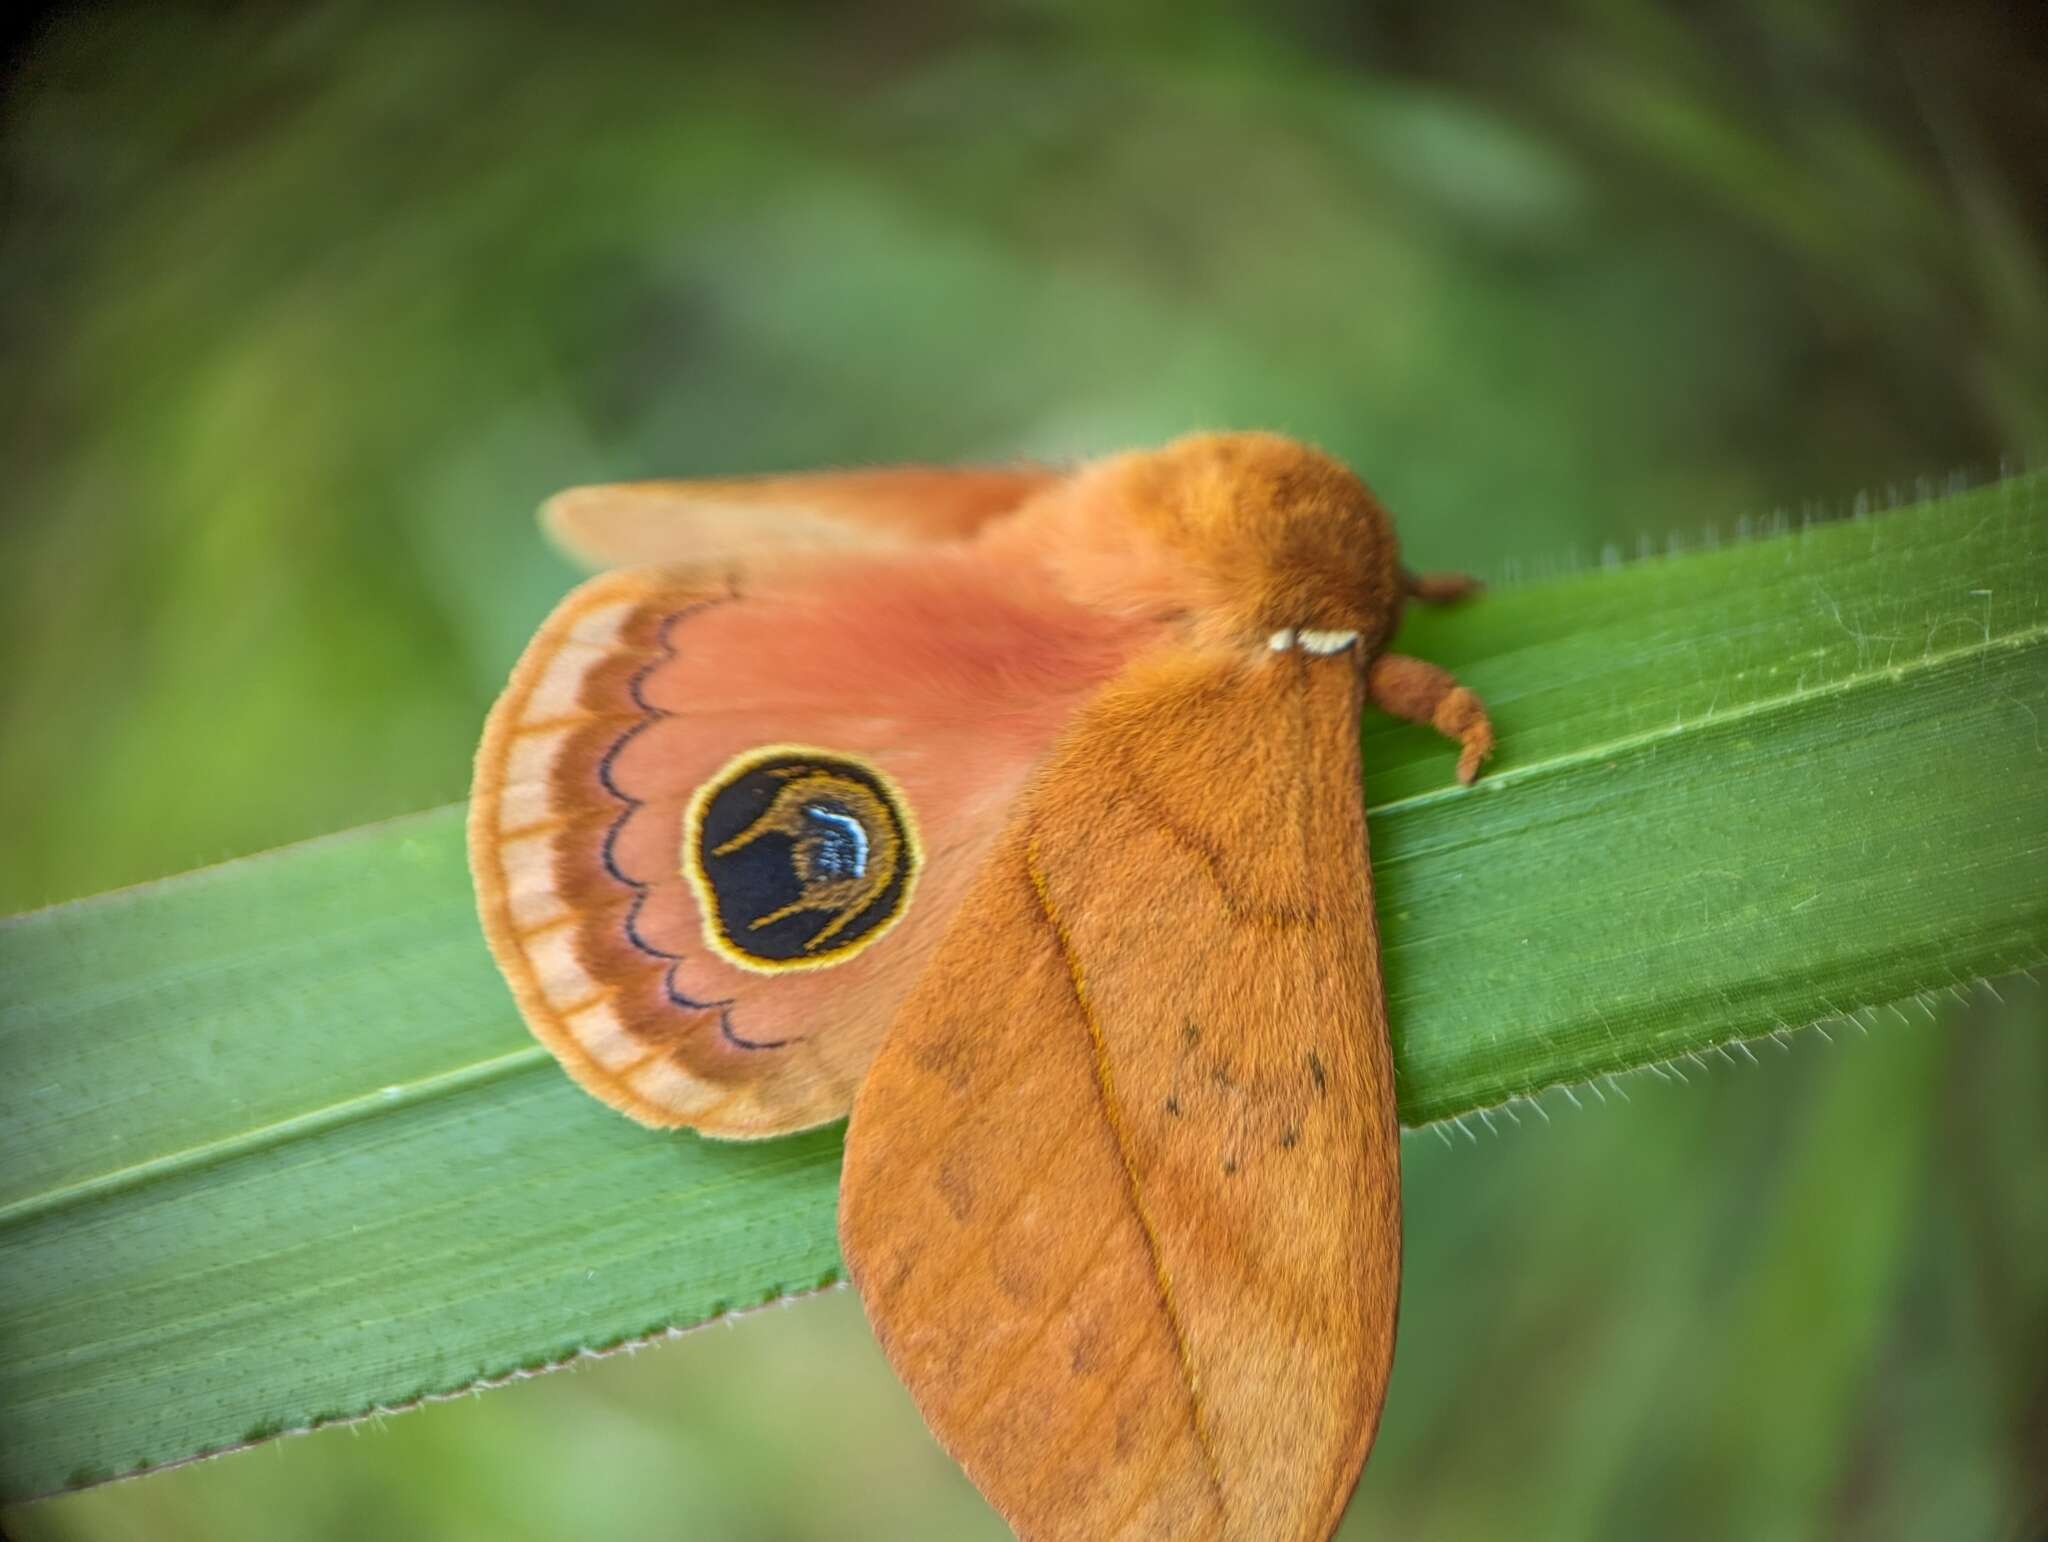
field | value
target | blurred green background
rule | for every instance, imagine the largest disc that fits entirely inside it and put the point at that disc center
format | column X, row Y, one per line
column 303, row 312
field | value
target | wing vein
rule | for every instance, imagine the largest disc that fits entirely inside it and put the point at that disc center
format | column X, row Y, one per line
column 1112, row 1111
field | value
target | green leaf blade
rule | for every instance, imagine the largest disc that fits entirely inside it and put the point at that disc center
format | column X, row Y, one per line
column 274, row 1148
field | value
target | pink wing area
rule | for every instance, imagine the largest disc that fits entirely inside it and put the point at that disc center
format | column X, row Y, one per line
column 741, row 520
column 946, row 672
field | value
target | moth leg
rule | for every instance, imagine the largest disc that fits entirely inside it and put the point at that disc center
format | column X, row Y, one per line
column 1440, row 588
column 1422, row 693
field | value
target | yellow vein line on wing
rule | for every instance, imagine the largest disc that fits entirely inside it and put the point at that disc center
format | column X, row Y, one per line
column 1112, row 1111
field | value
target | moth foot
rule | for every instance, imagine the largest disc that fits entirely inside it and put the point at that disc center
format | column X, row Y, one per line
column 1460, row 716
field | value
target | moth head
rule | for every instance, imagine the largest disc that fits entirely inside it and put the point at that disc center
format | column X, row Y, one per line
column 1250, row 538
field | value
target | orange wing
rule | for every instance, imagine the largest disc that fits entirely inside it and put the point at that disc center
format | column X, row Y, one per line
column 1122, row 1190
column 719, row 823
column 742, row 519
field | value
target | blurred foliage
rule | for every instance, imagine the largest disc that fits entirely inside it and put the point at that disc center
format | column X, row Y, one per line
column 304, row 310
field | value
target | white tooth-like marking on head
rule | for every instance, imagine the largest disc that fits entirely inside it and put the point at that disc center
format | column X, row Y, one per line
column 1326, row 642
column 1280, row 642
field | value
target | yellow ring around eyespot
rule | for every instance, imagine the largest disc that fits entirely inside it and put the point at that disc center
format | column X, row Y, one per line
column 692, row 862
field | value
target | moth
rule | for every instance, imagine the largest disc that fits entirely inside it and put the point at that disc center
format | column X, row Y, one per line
column 1016, row 813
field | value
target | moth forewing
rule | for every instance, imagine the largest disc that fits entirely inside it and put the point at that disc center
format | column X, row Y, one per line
column 1122, row 1184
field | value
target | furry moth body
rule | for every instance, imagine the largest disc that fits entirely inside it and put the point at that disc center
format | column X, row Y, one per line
column 1019, row 814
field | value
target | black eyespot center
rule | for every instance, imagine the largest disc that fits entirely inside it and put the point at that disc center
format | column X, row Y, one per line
column 799, row 857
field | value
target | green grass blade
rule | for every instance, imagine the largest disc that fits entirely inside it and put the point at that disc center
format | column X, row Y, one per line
column 274, row 1149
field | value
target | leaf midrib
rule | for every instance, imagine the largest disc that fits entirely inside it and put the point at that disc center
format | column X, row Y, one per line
column 279, row 1132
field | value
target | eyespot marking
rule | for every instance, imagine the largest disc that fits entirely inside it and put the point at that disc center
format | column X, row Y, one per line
column 799, row 857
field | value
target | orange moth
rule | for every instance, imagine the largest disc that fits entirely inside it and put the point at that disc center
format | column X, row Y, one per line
column 1017, row 813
